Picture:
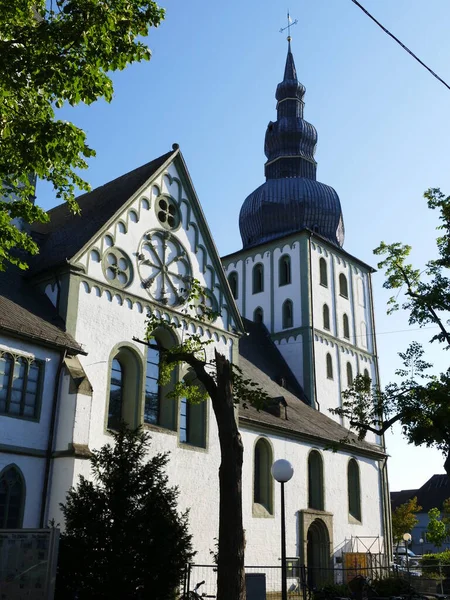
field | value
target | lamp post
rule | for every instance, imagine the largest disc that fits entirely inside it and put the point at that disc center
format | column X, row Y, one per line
column 421, row 542
column 407, row 539
column 282, row 471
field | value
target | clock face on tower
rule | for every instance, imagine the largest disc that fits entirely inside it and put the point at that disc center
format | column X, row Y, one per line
column 164, row 267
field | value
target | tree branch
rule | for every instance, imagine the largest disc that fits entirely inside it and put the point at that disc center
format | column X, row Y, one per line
column 197, row 365
column 386, row 425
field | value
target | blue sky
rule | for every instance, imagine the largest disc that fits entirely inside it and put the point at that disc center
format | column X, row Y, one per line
column 382, row 122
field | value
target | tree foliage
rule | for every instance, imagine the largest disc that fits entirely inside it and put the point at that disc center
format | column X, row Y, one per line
column 124, row 537
column 419, row 401
column 404, row 519
column 212, row 375
column 53, row 53
column 436, row 529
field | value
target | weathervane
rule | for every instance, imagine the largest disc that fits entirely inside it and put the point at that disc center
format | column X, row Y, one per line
column 289, row 25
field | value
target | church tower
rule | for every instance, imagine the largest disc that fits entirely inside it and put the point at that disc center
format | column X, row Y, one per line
column 292, row 273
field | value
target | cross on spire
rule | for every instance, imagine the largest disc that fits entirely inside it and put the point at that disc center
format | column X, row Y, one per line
column 290, row 24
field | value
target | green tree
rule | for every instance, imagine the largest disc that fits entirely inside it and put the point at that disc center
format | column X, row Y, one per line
column 214, row 377
column 53, row 53
column 124, row 537
column 404, row 519
column 436, row 529
column 419, row 402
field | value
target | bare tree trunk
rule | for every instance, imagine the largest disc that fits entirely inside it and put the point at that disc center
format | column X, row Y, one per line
column 230, row 564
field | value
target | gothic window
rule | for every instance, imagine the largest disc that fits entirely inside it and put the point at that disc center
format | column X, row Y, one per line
column 124, row 389
column 20, row 386
column 193, row 423
column 349, row 374
column 258, row 315
column 262, row 481
column 343, row 285
column 315, row 481
column 152, row 388
column 323, row 272
column 329, row 366
column 326, row 317
column 366, row 373
column 287, row 314
column 284, row 270
column 346, row 326
column 258, row 278
column 233, row 281
column 12, row 498
column 354, row 491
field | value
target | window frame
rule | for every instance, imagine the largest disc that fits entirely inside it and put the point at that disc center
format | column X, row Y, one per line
column 323, row 272
column 29, row 362
column 343, row 286
column 260, row 312
column 349, row 370
column 202, row 409
column 262, row 506
column 345, row 326
column 23, row 494
column 326, row 317
column 258, row 278
column 287, row 314
column 284, row 270
column 354, row 491
column 234, row 287
column 329, row 365
column 316, row 477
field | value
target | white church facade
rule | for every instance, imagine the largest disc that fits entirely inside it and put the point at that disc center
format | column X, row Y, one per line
column 296, row 315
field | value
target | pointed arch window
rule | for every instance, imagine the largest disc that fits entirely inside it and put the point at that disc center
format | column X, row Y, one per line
column 12, row 498
column 233, row 281
column 288, row 314
column 329, row 366
column 284, row 270
column 258, row 278
column 323, row 270
column 20, row 386
column 349, row 375
column 258, row 315
column 343, row 286
column 124, row 398
column 262, row 479
column 326, row 317
column 354, row 490
column 346, row 326
column 315, row 481
column 366, row 373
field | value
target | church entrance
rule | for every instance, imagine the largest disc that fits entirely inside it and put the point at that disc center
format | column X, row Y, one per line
column 318, row 554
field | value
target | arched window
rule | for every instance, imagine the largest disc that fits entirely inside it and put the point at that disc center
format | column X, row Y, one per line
column 233, row 281
column 346, row 326
column 354, row 491
column 20, row 386
column 349, row 375
column 343, row 285
column 263, row 482
column 284, row 270
column 152, row 388
column 329, row 366
column 12, row 498
column 315, row 480
column 193, row 423
column 323, row 272
column 124, row 397
column 258, row 278
column 326, row 317
column 258, row 315
column 288, row 314
column 364, row 334
column 361, row 292
column 366, row 373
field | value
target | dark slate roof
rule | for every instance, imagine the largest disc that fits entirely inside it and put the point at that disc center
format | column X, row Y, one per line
column 431, row 495
column 26, row 312
column 66, row 233
column 260, row 362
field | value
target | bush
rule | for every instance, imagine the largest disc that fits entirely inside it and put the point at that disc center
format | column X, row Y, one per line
column 392, row 586
column 332, row 590
column 431, row 562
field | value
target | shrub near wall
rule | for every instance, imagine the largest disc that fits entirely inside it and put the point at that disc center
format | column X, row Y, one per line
column 431, row 562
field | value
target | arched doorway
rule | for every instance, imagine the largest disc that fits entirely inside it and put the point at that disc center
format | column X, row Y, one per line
column 318, row 554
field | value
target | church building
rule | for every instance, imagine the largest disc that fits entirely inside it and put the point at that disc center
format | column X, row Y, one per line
column 296, row 315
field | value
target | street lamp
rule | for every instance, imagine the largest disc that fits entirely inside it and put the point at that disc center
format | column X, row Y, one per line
column 407, row 539
column 282, row 471
column 421, row 542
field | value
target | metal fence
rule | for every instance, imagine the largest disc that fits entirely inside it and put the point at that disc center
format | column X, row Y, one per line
column 307, row 583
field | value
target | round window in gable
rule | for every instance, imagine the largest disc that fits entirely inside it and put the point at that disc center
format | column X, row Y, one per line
column 167, row 213
column 117, row 268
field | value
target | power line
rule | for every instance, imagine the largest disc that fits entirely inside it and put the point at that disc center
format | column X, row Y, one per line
column 401, row 43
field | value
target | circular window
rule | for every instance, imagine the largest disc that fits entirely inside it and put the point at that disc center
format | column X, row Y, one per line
column 167, row 212
column 117, row 267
